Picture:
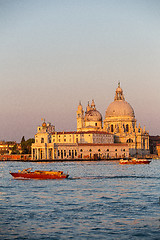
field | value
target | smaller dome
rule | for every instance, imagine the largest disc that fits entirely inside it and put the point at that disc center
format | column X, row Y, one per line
column 93, row 115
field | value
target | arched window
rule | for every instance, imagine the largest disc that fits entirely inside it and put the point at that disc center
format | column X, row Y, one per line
column 75, row 153
column 99, row 150
column 129, row 140
column 58, row 153
column 144, row 143
column 61, row 153
column 90, row 150
column 81, row 150
column 41, row 153
column 112, row 128
column 127, row 128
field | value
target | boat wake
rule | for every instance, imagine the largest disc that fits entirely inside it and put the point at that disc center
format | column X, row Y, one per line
column 112, row 177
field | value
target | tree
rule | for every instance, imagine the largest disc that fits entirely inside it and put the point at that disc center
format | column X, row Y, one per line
column 29, row 144
column 23, row 146
column 26, row 145
column 23, row 139
column 15, row 149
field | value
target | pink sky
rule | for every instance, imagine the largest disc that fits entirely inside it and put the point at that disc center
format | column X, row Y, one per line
column 55, row 53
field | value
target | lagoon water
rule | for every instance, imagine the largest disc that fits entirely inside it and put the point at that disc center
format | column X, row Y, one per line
column 100, row 200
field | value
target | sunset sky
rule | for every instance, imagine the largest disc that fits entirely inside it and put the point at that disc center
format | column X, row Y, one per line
column 55, row 53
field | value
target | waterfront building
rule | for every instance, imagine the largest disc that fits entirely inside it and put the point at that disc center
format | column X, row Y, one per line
column 76, row 145
column 117, row 137
column 120, row 120
column 7, row 147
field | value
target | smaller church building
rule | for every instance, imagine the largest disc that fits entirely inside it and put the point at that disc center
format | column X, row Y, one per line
column 117, row 137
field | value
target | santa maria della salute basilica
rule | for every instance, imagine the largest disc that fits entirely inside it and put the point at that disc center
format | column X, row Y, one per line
column 116, row 137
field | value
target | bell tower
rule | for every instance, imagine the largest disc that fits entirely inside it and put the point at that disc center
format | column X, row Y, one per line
column 80, row 117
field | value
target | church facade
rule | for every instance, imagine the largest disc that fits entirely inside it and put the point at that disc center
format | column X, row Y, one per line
column 115, row 137
column 120, row 120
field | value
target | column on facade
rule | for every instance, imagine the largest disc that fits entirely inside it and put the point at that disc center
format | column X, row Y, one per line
column 32, row 153
column 45, row 152
column 53, row 156
column 35, row 153
column 38, row 155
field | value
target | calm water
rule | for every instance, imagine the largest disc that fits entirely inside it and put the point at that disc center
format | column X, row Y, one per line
column 100, row 200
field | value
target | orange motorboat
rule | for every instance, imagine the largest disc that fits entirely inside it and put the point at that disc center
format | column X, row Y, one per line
column 38, row 174
column 134, row 161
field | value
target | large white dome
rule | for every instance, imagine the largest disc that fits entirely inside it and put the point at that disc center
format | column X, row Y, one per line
column 119, row 108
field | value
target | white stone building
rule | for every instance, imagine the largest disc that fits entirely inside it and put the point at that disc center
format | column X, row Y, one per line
column 117, row 137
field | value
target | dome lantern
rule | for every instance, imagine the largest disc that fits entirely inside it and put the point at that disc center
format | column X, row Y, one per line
column 93, row 104
column 119, row 93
